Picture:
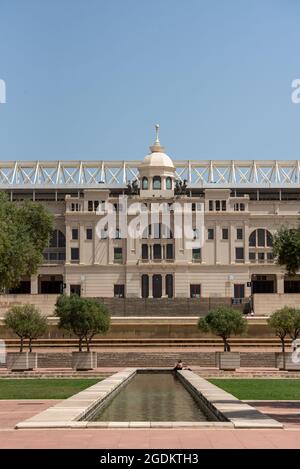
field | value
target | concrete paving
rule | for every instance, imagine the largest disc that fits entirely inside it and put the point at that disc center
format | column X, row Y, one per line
column 12, row 411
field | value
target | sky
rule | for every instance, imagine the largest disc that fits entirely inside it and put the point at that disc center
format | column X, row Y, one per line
column 88, row 79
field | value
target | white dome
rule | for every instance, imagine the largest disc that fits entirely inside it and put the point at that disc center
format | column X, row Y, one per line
column 158, row 159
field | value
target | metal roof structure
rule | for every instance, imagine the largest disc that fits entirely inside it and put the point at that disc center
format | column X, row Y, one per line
column 111, row 174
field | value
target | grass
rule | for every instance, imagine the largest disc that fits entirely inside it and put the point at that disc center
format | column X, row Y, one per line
column 43, row 388
column 261, row 389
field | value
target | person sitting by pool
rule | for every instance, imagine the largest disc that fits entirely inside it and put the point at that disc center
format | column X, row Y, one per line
column 180, row 366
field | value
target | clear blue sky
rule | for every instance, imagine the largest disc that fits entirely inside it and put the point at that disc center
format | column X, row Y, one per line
column 88, row 79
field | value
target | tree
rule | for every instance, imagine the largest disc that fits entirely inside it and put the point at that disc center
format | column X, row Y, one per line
column 25, row 229
column 223, row 322
column 281, row 321
column 286, row 248
column 84, row 317
column 27, row 322
column 295, row 326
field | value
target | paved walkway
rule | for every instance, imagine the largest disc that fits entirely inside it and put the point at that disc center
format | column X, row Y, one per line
column 13, row 411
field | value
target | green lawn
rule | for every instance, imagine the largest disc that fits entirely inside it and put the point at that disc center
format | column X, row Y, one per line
column 43, row 388
column 277, row 389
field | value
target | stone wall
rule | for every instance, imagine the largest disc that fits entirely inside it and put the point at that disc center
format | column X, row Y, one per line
column 140, row 358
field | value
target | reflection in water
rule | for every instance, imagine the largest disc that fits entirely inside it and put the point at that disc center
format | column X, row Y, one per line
column 152, row 397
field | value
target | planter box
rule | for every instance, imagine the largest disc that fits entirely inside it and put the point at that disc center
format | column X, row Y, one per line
column 289, row 364
column 21, row 361
column 84, row 360
column 228, row 360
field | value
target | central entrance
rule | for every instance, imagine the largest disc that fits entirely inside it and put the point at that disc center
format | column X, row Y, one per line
column 157, row 286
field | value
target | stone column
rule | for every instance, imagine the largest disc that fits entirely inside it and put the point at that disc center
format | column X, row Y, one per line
column 280, row 283
column 34, row 284
column 150, row 286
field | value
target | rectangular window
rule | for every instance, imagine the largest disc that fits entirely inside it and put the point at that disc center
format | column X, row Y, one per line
column 157, row 251
column 193, row 207
column 239, row 233
column 169, row 285
column 119, row 291
column 75, row 207
column 145, row 251
column 74, row 254
column 89, row 233
column 74, row 233
column 75, row 290
column 252, row 256
column 195, row 291
column 196, row 254
column 118, row 254
column 169, row 252
column 239, row 290
column 211, row 205
column 261, row 256
column 210, row 233
column 218, row 206
column 90, row 205
column 225, row 233
column 223, row 205
column 239, row 254
column 270, row 256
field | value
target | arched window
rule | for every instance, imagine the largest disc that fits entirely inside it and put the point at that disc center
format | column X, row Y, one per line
column 157, row 183
column 145, row 183
column 169, row 183
column 260, row 238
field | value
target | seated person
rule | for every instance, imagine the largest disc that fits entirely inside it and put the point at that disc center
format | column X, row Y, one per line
column 180, row 366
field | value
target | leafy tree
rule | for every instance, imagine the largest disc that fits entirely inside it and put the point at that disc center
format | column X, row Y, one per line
column 25, row 229
column 27, row 322
column 281, row 321
column 84, row 317
column 286, row 248
column 224, row 322
column 295, row 326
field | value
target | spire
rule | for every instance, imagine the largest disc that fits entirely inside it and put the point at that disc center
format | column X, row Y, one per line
column 156, row 147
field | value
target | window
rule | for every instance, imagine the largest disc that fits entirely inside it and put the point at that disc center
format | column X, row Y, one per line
column 57, row 240
column 225, row 233
column 74, row 254
column 252, row 256
column 240, row 207
column 156, row 182
column 169, row 183
column 239, row 254
column 211, row 205
column 239, row 290
column 210, row 233
column 270, row 256
column 218, row 205
column 90, row 206
column 156, row 251
column 239, row 233
column 223, row 205
column 193, row 207
column 261, row 256
column 195, row 291
column 260, row 238
column 145, row 285
column 169, row 251
column 144, row 251
column 74, row 233
column 196, row 255
column 145, row 183
column 117, row 254
column 75, row 290
column 119, row 291
column 169, row 285
column 75, row 207
column 89, row 233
